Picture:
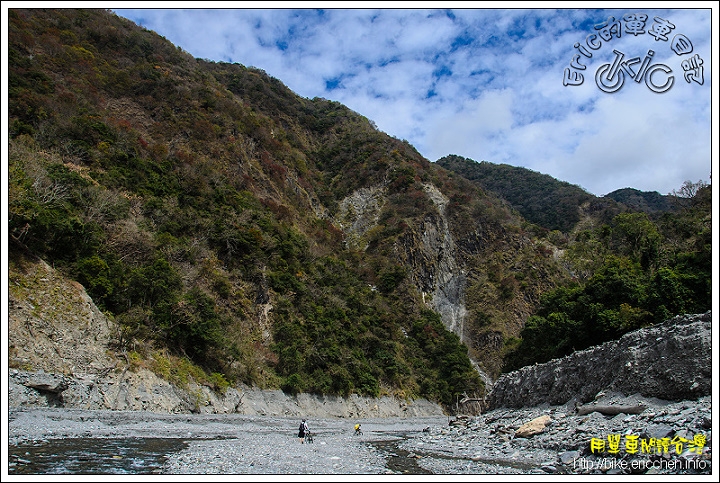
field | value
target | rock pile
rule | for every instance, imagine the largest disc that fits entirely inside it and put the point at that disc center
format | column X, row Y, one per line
column 665, row 438
column 537, row 422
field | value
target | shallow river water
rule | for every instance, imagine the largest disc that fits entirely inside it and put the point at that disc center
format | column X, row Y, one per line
column 93, row 456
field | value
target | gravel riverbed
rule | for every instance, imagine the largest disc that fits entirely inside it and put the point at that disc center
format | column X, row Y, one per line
column 229, row 443
column 233, row 444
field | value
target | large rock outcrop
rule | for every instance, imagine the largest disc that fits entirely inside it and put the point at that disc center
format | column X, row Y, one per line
column 670, row 361
column 53, row 325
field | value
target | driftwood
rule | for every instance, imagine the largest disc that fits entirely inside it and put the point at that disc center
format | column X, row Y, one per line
column 610, row 410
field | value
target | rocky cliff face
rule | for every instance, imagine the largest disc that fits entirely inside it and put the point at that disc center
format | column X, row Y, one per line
column 358, row 213
column 429, row 251
column 53, row 325
column 431, row 254
column 670, row 361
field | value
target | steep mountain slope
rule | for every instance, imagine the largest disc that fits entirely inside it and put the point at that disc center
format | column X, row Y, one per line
column 270, row 239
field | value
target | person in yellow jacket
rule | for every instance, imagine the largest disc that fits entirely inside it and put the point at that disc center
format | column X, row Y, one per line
column 357, row 429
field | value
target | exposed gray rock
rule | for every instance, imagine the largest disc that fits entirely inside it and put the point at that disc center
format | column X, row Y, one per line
column 144, row 391
column 670, row 361
column 53, row 325
column 53, row 383
column 564, row 445
column 359, row 212
column 610, row 410
column 441, row 268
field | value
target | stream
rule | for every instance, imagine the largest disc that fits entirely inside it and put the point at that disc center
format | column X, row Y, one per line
column 93, row 456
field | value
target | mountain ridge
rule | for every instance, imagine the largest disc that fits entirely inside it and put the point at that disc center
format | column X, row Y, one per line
column 549, row 202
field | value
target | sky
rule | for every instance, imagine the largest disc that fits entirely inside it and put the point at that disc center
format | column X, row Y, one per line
column 489, row 83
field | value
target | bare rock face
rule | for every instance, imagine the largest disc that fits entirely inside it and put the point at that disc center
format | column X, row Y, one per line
column 359, row 213
column 670, row 361
column 145, row 391
column 53, row 325
column 436, row 270
column 430, row 250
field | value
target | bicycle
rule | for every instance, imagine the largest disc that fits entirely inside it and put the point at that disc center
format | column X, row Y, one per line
column 308, row 437
column 358, row 431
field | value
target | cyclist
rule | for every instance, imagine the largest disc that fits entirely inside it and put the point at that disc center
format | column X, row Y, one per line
column 303, row 429
column 358, row 429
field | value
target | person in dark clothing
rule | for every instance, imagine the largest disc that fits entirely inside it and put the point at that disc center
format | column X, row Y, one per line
column 303, row 429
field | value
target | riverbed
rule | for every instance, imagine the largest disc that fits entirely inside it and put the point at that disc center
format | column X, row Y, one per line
column 61, row 441
column 56, row 441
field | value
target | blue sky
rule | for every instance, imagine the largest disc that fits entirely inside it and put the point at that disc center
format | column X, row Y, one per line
column 486, row 84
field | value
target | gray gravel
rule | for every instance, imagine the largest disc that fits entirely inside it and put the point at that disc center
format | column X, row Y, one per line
column 233, row 444
column 487, row 444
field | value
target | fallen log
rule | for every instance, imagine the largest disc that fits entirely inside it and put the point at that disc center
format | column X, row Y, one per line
column 611, row 410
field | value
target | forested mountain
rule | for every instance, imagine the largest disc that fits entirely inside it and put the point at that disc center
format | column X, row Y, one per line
column 228, row 225
column 631, row 272
column 651, row 202
column 538, row 197
column 550, row 203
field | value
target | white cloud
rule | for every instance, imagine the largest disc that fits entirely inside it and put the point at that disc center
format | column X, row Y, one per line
column 481, row 83
column 478, row 125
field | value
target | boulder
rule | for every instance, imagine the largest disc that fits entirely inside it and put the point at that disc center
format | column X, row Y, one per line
column 531, row 428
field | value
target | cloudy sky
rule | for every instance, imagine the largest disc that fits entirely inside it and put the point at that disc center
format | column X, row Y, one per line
column 488, row 84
